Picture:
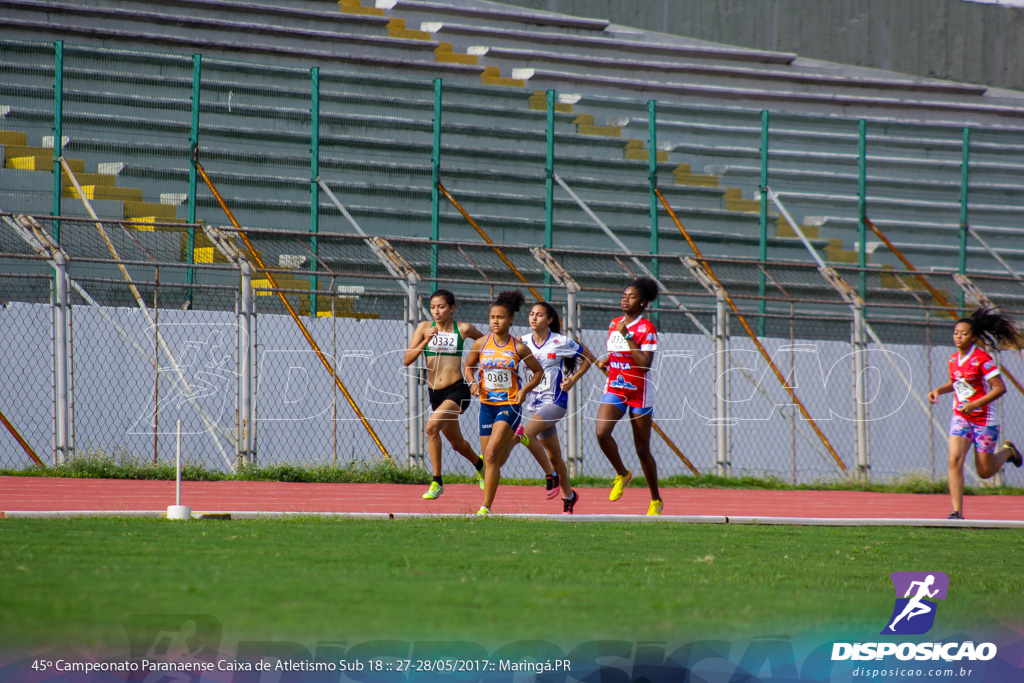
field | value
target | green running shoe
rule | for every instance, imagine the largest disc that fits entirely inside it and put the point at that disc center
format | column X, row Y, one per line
column 483, row 512
column 480, row 477
column 434, row 491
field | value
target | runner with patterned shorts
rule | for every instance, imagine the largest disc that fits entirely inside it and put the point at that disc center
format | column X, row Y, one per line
column 975, row 381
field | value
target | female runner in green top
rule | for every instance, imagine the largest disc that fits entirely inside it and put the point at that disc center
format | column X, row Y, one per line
column 441, row 341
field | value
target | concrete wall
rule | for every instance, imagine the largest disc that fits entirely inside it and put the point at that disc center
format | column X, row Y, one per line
column 951, row 39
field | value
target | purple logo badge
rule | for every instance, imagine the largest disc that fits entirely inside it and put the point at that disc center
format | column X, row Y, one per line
column 916, row 595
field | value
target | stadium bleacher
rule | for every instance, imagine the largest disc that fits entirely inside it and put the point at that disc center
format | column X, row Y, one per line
column 127, row 90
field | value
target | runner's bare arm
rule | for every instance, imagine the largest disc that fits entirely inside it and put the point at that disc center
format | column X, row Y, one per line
column 420, row 339
column 469, row 331
column 470, row 367
column 933, row 395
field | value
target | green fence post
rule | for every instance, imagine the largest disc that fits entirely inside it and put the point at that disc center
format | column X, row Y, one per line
column 652, row 178
column 652, row 184
column 435, row 195
column 763, row 242
column 964, row 176
column 58, row 132
column 314, row 187
column 190, row 245
column 862, row 175
column 549, row 185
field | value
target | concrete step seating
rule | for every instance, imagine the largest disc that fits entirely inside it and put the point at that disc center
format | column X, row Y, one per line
column 698, row 219
column 490, row 15
column 545, row 63
column 929, row 146
column 206, row 27
column 422, row 108
column 629, row 150
column 95, row 186
column 295, row 14
column 861, row 105
column 283, row 35
column 312, row 35
column 714, row 224
column 601, row 43
column 603, row 136
column 935, row 244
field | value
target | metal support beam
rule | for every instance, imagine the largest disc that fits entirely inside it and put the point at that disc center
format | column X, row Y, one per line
column 295, row 317
column 413, row 420
column 652, row 178
column 314, row 187
column 480, row 231
column 190, row 246
column 850, row 297
column 246, row 454
column 965, row 160
column 860, row 345
column 862, row 165
column 58, row 132
column 549, row 183
column 61, row 451
column 435, row 197
column 723, row 467
column 574, row 451
column 762, row 250
column 215, row 431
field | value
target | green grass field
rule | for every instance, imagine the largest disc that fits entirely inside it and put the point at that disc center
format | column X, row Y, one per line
column 493, row 580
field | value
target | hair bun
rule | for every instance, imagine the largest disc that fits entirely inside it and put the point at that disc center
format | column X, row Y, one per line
column 512, row 300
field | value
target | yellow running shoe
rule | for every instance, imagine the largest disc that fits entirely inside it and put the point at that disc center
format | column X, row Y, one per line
column 1015, row 457
column 434, row 491
column 655, row 508
column 480, row 477
column 618, row 484
column 483, row 512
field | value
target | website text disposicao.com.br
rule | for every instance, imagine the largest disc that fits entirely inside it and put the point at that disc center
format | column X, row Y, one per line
column 957, row 672
column 905, row 652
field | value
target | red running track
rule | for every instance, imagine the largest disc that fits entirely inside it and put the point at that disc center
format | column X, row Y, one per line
column 53, row 494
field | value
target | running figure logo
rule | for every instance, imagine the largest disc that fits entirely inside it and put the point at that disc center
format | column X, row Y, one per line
column 914, row 612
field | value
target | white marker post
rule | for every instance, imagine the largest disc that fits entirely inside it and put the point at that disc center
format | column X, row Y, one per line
column 178, row 511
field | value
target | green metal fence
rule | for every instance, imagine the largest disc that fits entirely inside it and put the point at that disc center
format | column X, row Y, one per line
column 318, row 151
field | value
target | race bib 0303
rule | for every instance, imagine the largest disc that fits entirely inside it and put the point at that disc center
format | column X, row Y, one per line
column 498, row 378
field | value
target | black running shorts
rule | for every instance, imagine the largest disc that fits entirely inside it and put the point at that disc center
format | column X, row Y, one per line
column 458, row 392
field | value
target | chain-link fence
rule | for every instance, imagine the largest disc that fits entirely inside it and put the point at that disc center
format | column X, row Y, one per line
column 137, row 365
column 308, row 158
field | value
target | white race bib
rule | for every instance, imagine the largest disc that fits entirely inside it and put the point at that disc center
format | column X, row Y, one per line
column 545, row 383
column 498, row 378
column 444, row 342
column 963, row 390
column 616, row 342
